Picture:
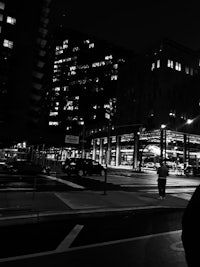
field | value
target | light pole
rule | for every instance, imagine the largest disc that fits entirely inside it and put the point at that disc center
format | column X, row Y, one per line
column 82, row 139
column 163, row 126
column 186, row 144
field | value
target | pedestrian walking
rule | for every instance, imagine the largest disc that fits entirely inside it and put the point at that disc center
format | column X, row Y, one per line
column 162, row 178
column 191, row 231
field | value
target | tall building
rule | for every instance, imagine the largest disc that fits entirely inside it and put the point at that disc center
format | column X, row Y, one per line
column 158, row 98
column 83, row 93
column 23, row 51
column 162, row 85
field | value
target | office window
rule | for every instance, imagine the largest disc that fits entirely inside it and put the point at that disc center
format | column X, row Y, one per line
column 1, row 17
column 53, row 123
column 91, row 45
column 158, row 63
column 178, row 66
column 7, row 43
column 170, row 63
column 153, row 66
column 191, row 71
column 2, row 5
column 11, row 20
column 187, row 71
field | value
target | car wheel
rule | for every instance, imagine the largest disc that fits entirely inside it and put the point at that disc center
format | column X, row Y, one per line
column 80, row 172
column 102, row 173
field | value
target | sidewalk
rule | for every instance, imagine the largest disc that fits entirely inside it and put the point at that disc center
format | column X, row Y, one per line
column 24, row 207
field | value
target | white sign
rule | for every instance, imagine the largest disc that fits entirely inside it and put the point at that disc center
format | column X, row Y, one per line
column 72, row 139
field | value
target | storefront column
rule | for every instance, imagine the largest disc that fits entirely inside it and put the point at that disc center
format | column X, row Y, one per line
column 135, row 151
column 108, row 153
column 184, row 150
column 94, row 149
column 188, row 150
column 101, row 151
column 118, row 150
column 161, row 145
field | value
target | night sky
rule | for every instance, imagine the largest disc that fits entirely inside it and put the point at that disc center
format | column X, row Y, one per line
column 134, row 24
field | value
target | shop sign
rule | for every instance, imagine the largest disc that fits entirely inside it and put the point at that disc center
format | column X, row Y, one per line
column 72, row 139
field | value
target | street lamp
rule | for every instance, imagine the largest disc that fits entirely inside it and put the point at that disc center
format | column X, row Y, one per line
column 189, row 121
column 82, row 123
column 163, row 126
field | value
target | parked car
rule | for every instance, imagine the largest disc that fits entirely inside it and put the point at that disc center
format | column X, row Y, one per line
column 82, row 167
column 192, row 171
column 23, row 167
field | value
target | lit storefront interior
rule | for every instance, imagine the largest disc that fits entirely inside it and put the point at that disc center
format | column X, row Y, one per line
column 178, row 149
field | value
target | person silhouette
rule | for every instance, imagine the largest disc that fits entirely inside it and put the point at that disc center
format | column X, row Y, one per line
column 191, row 230
column 162, row 178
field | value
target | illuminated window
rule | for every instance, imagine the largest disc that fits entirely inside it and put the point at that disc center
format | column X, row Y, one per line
column 11, row 20
column 113, row 77
column 153, row 66
column 65, row 44
column 72, row 68
column 1, row 17
column 86, row 41
column 187, row 71
column 7, row 43
column 178, row 66
column 91, row 45
column 53, row 113
column 191, row 71
column 108, row 57
column 73, row 72
column 75, row 49
column 172, row 114
column 53, row 123
column 2, row 5
column 98, row 64
column 170, row 63
column 158, row 63
column 59, row 52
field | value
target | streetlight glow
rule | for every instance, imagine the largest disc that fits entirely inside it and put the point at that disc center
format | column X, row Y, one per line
column 163, row 126
column 189, row 121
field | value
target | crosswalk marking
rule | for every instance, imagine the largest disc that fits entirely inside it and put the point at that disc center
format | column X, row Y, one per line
column 65, row 244
column 64, row 182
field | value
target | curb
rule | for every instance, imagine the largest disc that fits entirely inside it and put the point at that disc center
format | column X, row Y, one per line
column 39, row 217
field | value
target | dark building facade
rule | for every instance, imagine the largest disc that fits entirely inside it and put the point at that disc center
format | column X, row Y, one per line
column 23, row 49
column 84, row 85
column 162, row 85
column 158, row 109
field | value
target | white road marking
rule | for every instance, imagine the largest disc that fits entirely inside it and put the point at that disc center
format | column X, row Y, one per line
column 182, row 196
column 64, row 182
column 89, row 246
column 66, row 243
column 125, row 240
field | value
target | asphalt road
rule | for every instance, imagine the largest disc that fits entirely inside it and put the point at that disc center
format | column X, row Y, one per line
column 34, row 238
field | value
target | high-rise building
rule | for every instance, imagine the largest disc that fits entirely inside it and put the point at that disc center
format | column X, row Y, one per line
column 23, row 51
column 161, row 85
column 85, row 76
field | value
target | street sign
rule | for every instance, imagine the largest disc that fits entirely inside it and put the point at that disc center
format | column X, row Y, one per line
column 72, row 139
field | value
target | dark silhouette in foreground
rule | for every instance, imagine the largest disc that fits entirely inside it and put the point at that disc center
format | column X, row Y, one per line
column 191, row 230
